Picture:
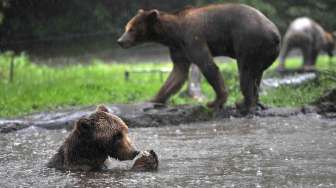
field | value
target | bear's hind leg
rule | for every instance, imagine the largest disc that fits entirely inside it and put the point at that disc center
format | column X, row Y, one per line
column 309, row 58
column 249, row 85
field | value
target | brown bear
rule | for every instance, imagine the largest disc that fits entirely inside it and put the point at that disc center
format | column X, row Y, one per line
column 308, row 36
column 92, row 140
column 196, row 35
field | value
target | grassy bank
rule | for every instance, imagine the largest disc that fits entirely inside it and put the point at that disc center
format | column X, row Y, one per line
column 38, row 87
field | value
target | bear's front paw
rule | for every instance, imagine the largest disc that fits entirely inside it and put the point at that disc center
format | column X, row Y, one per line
column 245, row 109
column 146, row 161
column 216, row 104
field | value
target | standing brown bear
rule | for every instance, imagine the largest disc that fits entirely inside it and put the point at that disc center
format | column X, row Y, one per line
column 308, row 36
column 92, row 140
column 196, row 35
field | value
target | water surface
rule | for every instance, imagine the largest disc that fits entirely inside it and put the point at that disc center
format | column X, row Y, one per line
column 259, row 152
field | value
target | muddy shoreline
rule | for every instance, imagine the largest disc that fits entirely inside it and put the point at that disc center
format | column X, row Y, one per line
column 156, row 115
column 150, row 115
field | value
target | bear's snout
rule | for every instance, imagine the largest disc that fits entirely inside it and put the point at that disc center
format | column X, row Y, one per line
column 123, row 155
column 125, row 41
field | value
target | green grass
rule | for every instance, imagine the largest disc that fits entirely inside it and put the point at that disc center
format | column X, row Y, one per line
column 39, row 87
column 303, row 94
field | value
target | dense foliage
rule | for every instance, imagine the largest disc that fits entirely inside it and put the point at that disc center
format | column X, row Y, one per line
column 25, row 22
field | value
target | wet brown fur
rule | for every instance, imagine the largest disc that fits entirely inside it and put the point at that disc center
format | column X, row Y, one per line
column 196, row 35
column 329, row 45
column 92, row 140
column 148, row 162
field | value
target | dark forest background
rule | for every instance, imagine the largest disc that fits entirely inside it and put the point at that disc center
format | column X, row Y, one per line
column 42, row 24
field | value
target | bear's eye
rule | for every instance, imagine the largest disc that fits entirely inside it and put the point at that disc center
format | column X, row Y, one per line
column 119, row 136
column 132, row 30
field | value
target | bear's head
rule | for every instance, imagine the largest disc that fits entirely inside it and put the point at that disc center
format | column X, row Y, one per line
column 140, row 28
column 107, row 132
column 329, row 42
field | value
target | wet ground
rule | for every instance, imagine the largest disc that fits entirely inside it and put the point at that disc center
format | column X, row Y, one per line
column 297, row 151
column 154, row 115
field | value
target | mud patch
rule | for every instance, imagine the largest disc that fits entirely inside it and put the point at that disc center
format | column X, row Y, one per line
column 327, row 104
column 135, row 115
column 144, row 115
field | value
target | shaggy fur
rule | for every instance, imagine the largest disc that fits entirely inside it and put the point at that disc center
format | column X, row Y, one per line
column 92, row 140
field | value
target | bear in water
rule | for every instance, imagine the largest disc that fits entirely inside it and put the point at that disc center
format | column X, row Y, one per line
column 196, row 35
column 92, row 140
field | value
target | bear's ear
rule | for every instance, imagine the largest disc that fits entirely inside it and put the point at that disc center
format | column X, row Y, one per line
column 83, row 125
column 153, row 15
column 334, row 34
column 102, row 108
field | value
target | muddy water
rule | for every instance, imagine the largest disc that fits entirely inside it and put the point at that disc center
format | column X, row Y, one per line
column 298, row 151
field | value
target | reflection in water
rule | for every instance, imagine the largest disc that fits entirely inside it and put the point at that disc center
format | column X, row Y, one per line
column 288, row 80
column 259, row 152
